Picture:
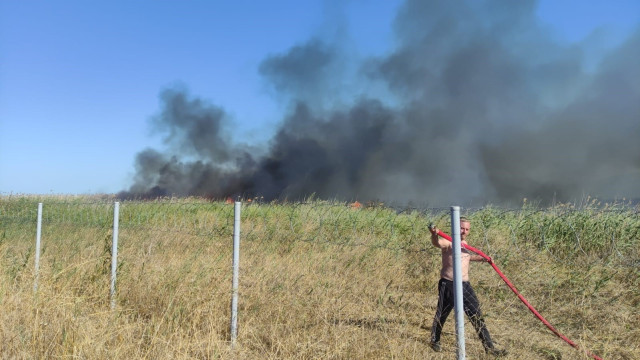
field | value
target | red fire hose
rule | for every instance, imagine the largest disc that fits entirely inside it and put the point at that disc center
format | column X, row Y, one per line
column 515, row 291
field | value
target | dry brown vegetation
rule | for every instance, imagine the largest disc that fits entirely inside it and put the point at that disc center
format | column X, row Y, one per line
column 318, row 281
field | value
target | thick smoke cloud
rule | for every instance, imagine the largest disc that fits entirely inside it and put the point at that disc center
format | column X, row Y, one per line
column 482, row 106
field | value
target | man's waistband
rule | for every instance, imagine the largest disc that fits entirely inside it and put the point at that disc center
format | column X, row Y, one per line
column 451, row 281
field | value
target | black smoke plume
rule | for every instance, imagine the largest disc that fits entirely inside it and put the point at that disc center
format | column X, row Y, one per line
column 480, row 105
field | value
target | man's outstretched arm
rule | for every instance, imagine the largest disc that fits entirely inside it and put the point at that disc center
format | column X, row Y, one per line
column 436, row 240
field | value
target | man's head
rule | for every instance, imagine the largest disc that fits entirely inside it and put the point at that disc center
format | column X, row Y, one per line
column 465, row 227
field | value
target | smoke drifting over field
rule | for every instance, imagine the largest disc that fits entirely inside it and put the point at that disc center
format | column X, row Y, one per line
column 480, row 105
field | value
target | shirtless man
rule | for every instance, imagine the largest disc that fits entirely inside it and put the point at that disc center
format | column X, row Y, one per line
column 445, row 291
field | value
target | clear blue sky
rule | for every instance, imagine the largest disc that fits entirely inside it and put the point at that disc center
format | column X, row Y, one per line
column 79, row 80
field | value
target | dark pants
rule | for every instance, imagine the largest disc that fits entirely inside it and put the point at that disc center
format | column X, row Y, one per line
column 471, row 308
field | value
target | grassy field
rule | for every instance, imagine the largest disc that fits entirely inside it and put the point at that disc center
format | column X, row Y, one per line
column 318, row 280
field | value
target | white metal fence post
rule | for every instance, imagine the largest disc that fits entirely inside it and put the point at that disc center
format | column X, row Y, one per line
column 38, row 235
column 236, row 269
column 457, row 281
column 114, row 252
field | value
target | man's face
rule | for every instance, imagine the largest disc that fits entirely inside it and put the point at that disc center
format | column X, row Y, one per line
column 465, row 226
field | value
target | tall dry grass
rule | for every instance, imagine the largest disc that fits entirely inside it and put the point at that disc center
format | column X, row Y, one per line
column 318, row 281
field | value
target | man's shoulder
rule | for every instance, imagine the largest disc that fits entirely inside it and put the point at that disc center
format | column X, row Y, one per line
column 444, row 244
